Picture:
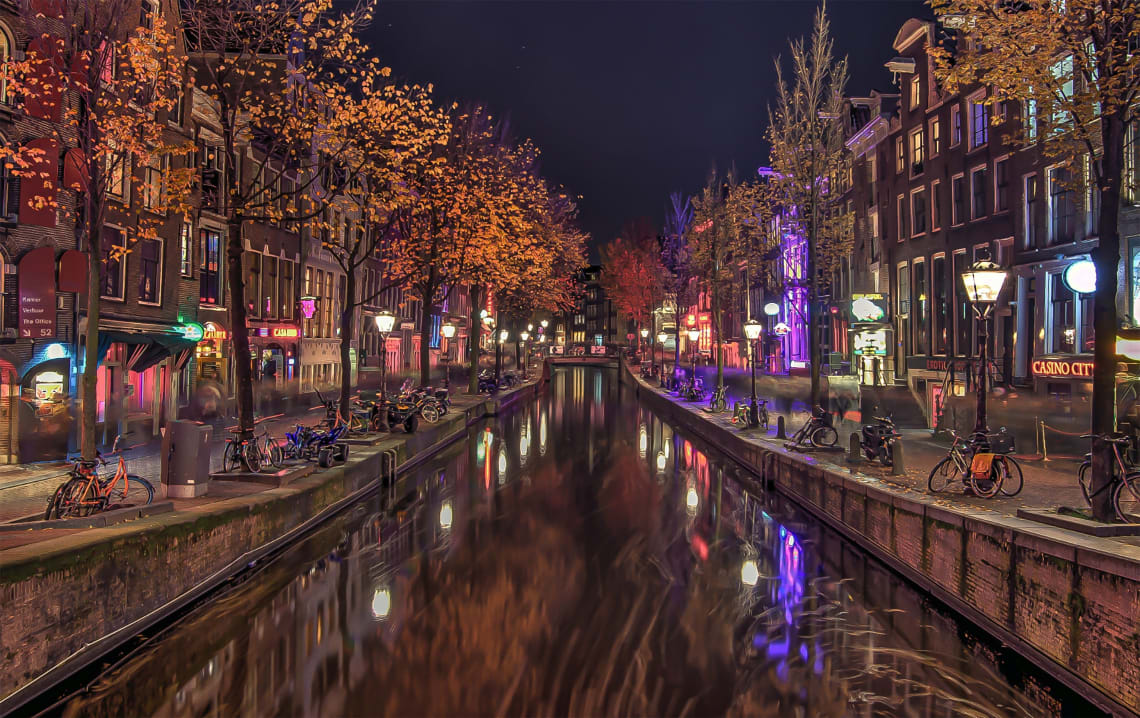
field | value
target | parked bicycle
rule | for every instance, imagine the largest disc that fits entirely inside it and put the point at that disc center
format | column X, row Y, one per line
column 718, row 402
column 818, row 431
column 993, row 473
column 1125, row 482
column 743, row 409
column 86, row 492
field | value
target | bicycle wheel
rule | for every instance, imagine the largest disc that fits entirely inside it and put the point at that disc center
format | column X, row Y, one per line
column 989, row 486
column 253, row 458
column 1126, row 498
column 762, row 416
column 1013, row 481
column 78, row 499
column 430, row 413
column 52, row 510
column 824, row 436
column 944, row 473
column 1083, row 481
column 273, row 452
column 231, row 458
column 135, row 491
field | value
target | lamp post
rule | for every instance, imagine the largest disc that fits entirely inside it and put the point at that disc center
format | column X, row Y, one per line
column 525, row 337
column 694, row 337
column 752, row 330
column 661, row 337
column 385, row 321
column 448, row 331
column 983, row 282
column 503, row 335
column 644, row 332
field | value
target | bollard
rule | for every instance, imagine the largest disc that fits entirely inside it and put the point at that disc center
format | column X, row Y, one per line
column 854, row 449
column 898, row 463
column 781, row 432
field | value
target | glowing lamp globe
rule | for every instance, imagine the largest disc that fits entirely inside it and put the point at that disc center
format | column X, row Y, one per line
column 503, row 335
column 544, row 323
column 447, row 330
column 983, row 282
column 662, row 336
column 525, row 336
column 694, row 335
column 749, row 574
column 752, row 330
column 385, row 321
column 771, row 309
column 644, row 333
column 1080, row 276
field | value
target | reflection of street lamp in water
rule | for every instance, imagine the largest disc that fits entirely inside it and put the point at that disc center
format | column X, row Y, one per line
column 381, row 603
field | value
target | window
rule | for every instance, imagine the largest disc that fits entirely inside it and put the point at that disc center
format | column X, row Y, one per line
column 186, row 249
column 209, row 271
column 1062, row 71
column 146, row 15
column 918, row 211
column 286, row 302
column 900, row 155
column 1001, row 184
column 5, row 54
column 1062, row 206
column 915, row 90
column 935, row 137
column 9, row 193
column 253, row 283
column 118, row 168
column 152, row 185
column 903, row 307
column 1032, row 198
column 211, row 159
column 269, row 287
column 308, row 292
column 901, row 201
column 922, row 309
column 940, row 305
column 979, row 121
column 111, row 271
column 955, row 126
column 1063, row 324
column 1130, row 185
column 1029, row 119
column 873, row 222
column 1092, row 198
column 936, row 205
column 150, row 271
column 958, row 200
column 917, row 149
column 978, row 193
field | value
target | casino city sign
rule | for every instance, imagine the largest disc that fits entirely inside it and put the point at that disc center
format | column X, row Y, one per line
column 1062, row 368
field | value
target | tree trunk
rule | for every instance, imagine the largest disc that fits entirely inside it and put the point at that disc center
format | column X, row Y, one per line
column 518, row 355
column 1106, row 258
column 676, row 343
column 716, row 330
column 425, row 343
column 88, row 400
column 814, row 348
column 345, row 343
column 243, row 376
column 473, row 334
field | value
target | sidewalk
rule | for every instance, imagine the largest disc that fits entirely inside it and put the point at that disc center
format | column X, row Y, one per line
column 1047, row 484
column 25, row 488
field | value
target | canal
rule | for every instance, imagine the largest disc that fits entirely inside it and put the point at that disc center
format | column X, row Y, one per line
column 577, row 556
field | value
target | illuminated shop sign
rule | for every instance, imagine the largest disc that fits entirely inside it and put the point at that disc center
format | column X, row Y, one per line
column 869, row 307
column 212, row 331
column 1063, row 367
column 285, row 332
column 870, row 342
column 191, row 332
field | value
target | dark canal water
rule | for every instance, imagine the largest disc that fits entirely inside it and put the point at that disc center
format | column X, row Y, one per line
column 579, row 557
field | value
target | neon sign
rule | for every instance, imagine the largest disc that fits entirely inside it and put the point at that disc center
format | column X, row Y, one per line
column 308, row 306
column 212, row 331
column 1063, row 368
column 285, row 332
column 191, row 332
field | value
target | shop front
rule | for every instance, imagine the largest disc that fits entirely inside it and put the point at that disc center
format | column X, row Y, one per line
column 45, row 416
column 213, row 379
column 273, row 350
column 871, row 334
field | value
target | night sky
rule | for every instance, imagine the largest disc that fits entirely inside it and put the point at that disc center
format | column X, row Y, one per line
column 628, row 100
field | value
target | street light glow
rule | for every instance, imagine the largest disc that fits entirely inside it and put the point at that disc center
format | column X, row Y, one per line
column 752, row 329
column 446, row 515
column 694, row 335
column 983, row 282
column 771, row 309
column 662, row 336
column 749, row 574
column 447, row 330
column 385, row 321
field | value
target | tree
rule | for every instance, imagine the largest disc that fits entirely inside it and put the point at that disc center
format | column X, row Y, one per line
column 278, row 79
column 805, row 134
column 676, row 258
column 395, row 130
column 728, row 222
column 1074, row 69
column 105, row 84
column 632, row 273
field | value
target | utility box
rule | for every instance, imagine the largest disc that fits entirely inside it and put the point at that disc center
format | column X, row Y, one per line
column 186, row 459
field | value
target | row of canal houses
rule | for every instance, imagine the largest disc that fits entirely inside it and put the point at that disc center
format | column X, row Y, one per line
column 934, row 184
column 164, row 326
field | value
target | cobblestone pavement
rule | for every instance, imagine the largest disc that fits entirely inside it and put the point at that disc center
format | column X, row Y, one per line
column 1047, row 484
column 25, row 489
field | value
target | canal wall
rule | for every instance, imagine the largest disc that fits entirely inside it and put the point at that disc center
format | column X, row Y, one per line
column 1066, row 601
column 68, row 600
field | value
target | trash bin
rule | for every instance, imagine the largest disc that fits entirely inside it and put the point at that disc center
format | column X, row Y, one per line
column 186, row 459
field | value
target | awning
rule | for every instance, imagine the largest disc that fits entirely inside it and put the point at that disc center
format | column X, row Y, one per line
column 146, row 348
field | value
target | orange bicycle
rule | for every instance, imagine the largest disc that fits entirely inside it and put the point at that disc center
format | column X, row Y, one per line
column 86, row 492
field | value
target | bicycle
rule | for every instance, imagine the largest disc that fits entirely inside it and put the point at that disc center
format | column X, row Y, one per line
column 740, row 414
column 1125, row 483
column 86, row 492
column 818, row 431
column 271, row 449
column 1004, row 475
column 718, row 402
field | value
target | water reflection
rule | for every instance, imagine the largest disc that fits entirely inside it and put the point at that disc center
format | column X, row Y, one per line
column 634, row 572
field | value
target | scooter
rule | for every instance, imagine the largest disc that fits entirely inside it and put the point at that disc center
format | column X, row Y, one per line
column 878, row 440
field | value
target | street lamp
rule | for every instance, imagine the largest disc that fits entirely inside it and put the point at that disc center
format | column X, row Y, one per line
column 983, row 282
column 694, row 337
column 661, row 337
column 503, row 334
column 752, row 330
column 385, row 322
column 525, row 337
column 644, row 332
column 448, row 331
